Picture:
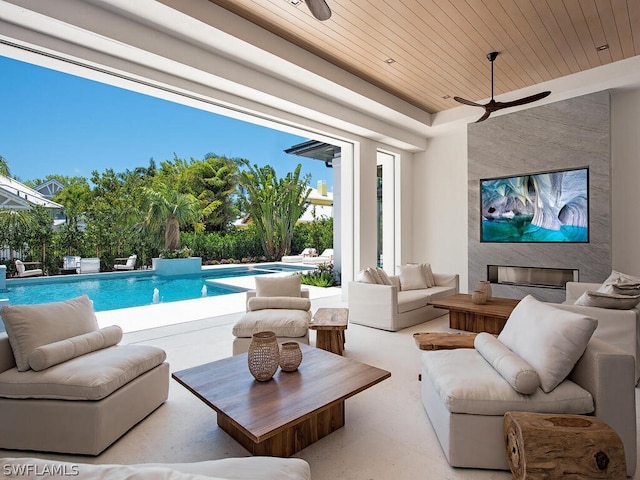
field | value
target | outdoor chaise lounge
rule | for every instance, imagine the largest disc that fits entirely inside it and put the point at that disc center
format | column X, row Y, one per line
column 305, row 254
column 129, row 265
column 24, row 272
column 89, row 265
column 325, row 257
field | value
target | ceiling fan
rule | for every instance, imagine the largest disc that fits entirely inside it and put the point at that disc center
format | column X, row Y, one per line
column 318, row 8
column 492, row 105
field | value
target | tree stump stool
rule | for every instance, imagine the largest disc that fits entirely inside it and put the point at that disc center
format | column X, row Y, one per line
column 550, row 446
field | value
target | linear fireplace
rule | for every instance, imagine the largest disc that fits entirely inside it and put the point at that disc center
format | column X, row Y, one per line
column 531, row 276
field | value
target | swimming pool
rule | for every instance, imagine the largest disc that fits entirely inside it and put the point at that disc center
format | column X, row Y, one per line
column 110, row 291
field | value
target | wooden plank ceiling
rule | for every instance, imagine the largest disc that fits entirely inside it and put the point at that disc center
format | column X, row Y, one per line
column 439, row 47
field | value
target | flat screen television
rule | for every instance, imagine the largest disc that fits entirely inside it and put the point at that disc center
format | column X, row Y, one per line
column 543, row 207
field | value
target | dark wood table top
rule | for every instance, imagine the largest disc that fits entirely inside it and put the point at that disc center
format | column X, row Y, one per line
column 496, row 307
column 263, row 409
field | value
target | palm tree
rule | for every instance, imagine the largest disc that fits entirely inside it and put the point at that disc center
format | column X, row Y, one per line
column 274, row 205
column 167, row 210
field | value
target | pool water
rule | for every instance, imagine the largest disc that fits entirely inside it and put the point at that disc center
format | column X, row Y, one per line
column 113, row 291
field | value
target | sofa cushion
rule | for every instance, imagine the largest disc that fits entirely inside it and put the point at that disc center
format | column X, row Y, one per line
column 411, row 300
column 284, row 303
column 262, row 467
column 63, row 350
column 520, row 375
column 278, row 286
column 550, row 339
column 35, row 469
column 466, row 383
column 284, row 323
column 428, row 274
column 90, row 377
column 412, row 277
column 608, row 300
column 31, row 326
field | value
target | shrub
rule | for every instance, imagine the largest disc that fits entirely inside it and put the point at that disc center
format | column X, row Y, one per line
column 323, row 276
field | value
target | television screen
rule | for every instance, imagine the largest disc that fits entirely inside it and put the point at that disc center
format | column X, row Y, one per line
column 538, row 207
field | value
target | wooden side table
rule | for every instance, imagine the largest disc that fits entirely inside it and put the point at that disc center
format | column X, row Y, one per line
column 330, row 325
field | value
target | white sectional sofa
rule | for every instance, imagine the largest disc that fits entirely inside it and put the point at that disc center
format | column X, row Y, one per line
column 466, row 392
column 392, row 307
column 620, row 328
column 249, row 468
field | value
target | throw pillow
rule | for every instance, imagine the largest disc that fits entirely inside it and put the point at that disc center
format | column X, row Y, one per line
column 548, row 338
column 375, row 275
column 428, row 275
column 364, row 276
column 278, row 286
column 58, row 352
column 31, row 326
column 384, row 277
column 284, row 303
column 520, row 375
column 412, row 277
column 620, row 283
column 608, row 300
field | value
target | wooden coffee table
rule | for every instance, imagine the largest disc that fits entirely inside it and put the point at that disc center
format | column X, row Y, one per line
column 330, row 324
column 466, row 315
column 287, row 413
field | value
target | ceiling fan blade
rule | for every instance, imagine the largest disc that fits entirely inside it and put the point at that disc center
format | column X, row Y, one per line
column 483, row 117
column 467, row 102
column 319, row 9
column 522, row 101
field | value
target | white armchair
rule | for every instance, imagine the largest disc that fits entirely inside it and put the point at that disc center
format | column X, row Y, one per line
column 129, row 265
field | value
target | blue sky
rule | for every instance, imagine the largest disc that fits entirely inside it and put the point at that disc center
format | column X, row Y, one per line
column 55, row 123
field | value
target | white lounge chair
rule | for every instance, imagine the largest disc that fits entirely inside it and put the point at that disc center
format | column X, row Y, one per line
column 130, row 265
column 24, row 272
column 89, row 265
column 306, row 253
column 325, row 257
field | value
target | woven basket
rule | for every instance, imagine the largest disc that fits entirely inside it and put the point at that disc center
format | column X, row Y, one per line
column 263, row 356
column 290, row 356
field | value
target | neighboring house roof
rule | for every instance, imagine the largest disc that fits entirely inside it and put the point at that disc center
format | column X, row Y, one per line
column 17, row 196
column 49, row 188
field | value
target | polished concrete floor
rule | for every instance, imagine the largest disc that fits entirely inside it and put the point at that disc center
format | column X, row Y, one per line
column 387, row 433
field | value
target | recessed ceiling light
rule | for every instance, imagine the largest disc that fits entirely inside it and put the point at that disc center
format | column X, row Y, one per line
column 603, row 47
column 389, row 61
column 446, row 97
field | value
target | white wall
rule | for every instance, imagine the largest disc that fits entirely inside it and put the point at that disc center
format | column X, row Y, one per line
column 440, row 204
column 625, row 180
column 440, row 194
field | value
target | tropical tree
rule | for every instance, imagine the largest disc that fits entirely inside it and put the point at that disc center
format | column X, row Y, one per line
column 274, row 205
column 166, row 210
column 14, row 225
column 213, row 182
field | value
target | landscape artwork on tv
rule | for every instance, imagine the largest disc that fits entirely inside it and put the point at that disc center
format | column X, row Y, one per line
column 538, row 207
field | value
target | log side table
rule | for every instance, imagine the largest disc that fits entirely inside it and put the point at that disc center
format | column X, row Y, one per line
column 547, row 445
column 330, row 325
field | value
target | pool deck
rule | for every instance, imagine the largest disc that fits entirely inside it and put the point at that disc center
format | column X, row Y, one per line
column 162, row 314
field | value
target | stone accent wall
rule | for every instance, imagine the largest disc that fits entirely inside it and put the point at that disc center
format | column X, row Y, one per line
column 567, row 134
